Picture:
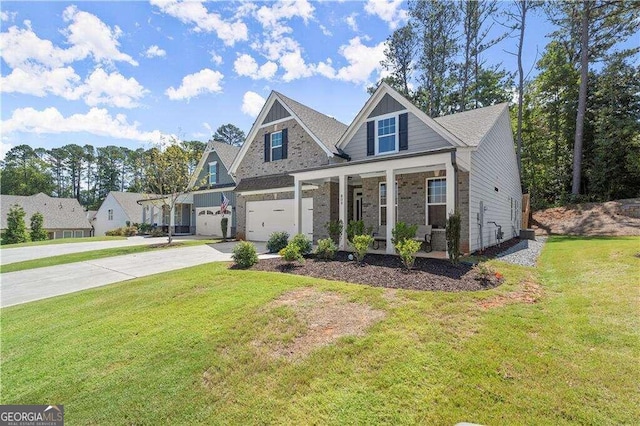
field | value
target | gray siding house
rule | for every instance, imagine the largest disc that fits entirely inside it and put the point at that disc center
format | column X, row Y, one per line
column 210, row 180
column 63, row 217
column 299, row 168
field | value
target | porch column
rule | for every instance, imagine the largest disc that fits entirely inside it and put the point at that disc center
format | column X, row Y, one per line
column 451, row 190
column 172, row 216
column 391, row 208
column 297, row 205
column 342, row 213
column 153, row 212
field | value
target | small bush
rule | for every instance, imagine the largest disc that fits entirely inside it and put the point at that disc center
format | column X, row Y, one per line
column 118, row 232
column 407, row 250
column 127, row 223
column 453, row 237
column 402, row 232
column 304, row 244
column 38, row 233
column 291, row 253
column 224, row 225
column 130, row 231
column 361, row 244
column 326, row 249
column 356, row 227
column 158, row 232
column 277, row 241
column 144, row 228
column 484, row 272
column 245, row 254
column 334, row 228
column 16, row 231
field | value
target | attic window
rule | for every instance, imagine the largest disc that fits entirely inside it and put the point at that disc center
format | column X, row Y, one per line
column 110, row 214
column 276, row 146
column 386, row 135
column 213, row 173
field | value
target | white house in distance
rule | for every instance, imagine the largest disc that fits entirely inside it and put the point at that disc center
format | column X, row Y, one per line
column 120, row 207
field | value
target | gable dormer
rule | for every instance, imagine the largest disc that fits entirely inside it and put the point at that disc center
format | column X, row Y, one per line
column 390, row 124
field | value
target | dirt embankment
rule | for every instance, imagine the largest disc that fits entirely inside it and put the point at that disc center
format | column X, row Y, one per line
column 613, row 218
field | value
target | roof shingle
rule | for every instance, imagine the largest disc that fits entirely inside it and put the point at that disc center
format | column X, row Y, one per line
column 471, row 126
column 58, row 213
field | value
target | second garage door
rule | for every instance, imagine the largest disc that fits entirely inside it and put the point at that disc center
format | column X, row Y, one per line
column 266, row 217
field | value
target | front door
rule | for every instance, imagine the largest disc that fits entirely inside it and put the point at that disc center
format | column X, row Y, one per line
column 357, row 204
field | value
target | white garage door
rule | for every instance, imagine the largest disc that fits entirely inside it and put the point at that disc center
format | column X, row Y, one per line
column 208, row 223
column 266, row 217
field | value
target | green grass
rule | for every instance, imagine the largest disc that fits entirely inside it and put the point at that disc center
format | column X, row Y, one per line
column 136, row 352
column 95, row 254
column 61, row 241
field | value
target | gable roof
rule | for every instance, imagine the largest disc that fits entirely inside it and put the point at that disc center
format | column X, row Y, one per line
column 129, row 203
column 382, row 90
column 472, row 126
column 58, row 213
column 227, row 153
column 324, row 130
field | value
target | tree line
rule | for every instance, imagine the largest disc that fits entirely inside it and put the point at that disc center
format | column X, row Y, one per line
column 88, row 173
column 577, row 122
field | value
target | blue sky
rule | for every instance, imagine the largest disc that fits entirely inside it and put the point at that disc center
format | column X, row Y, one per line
column 131, row 73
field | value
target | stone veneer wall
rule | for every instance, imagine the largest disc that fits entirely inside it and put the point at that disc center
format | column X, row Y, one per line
column 412, row 203
column 303, row 152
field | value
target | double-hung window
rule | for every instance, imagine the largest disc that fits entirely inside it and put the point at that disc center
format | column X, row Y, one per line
column 382, row 203
column 386, row 135
column 437, row 202
column 213, row 173
column 276, row 146
column 110, row 214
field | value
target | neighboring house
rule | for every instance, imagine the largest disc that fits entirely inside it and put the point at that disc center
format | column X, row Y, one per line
column 63, row 217
column 118, row 208
column 299, row 168
column 210, row 180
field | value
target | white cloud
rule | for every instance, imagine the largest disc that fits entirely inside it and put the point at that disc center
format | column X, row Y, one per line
column 194, row 12
column 252, row 103
column 245, row 65
column 215, row 58
column 22, row 47
column 8, row 17
column 351, row 22
column 325, row 31
column 363, row 60
column 387, row 10
column 4, row 148
column 155, row 51
column 204, row 81
column 112, row 89
column 41, row 82
column 326, row 69
column 295, row 66
column 97, row 122
column 269, row 16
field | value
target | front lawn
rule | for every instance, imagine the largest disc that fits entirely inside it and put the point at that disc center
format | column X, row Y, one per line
column 554, row 345
column 96, row 254
column 61, row 241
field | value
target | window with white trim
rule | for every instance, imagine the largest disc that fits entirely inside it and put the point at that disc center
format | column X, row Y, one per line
column 67, row 234
column 382, row 203
column 276, row 146
column 213, row 173
column 78, row 234
column 436, row 210
column 110, row 214
column 386, row 135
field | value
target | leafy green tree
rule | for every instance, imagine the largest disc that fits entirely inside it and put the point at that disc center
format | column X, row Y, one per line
column 228, row 133
column 16, row 229
column 37, row 233
column 399, row 55
column 194, row 151
column 109, row 163
column 24, row 172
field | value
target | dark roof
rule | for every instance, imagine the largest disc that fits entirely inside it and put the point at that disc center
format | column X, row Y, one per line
column 327, row 129
column 264, row 182
column 472, row 126
column 226, row 152
column 58, row 213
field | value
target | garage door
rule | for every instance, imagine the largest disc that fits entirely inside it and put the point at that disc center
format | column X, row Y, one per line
column 266, row 217
column 208, row 223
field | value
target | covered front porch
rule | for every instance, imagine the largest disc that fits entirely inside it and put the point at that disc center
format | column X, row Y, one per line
column 424, row 194
column 161, row 215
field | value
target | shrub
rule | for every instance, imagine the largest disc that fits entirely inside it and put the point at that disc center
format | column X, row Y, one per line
column 326, row 249
column 118, row 232
column 277, row 241
column 304, row 244
column 402, row 232
column 291, row 253
column 483, row 272
column 129, row 231
column 145, row 228
column 361, row 244
column 407, row 250
column 334, row 228
column 356, row 227
column 245, row 254
column 127, row 223
column 16, row 229
column 453, row 237
column 158, row 232
column 38, row 233
column 224, row 225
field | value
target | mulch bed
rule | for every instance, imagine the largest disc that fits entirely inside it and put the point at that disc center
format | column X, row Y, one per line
column 493, row 251
column 386, row 271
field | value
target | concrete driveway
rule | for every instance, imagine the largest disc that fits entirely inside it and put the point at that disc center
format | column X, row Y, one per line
column 41, row 283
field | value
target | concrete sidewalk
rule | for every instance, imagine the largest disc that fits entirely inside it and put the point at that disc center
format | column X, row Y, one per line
column 41, row 283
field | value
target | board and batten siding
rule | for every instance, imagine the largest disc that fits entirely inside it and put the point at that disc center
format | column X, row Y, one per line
column 223, row 175
column 421, row 138
column 277, row 112
column 214, row 199
column 387, row 105
column 494, row 165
